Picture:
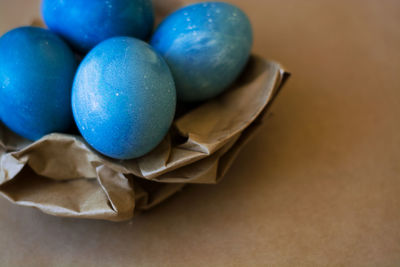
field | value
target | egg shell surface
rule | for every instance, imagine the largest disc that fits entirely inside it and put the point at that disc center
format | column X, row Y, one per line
column 206, row 46
column 37, row 69
column 85, row 23
column 123, row 98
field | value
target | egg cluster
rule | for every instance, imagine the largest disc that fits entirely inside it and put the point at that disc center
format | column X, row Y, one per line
column 123, row 94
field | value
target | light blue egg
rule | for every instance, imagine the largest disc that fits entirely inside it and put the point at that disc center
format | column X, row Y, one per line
column 85, row 23
column 123, row 98
column 206, row 46
column 36, row 74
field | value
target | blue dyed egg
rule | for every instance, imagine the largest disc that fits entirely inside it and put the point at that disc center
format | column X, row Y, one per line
column 85, row 23
column 123, row 98
column 36, row 73
column 206, row 46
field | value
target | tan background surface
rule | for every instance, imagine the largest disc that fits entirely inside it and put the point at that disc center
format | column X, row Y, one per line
column 320, row 184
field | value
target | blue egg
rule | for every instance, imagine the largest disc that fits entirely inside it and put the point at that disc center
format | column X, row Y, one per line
column 123, row 98
column 206, row 46
column 85, row 23
column 36, row 74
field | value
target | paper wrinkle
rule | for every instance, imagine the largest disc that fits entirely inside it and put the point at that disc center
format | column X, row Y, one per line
column 61, row 175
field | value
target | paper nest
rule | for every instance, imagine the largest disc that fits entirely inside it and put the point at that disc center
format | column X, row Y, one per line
column 61, row 175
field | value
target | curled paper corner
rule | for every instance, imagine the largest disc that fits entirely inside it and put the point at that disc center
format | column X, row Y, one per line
column 62, row 176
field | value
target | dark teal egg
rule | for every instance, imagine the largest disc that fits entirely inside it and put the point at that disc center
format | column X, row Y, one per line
column 85, row 23
column 36, row 74
column 206, row 46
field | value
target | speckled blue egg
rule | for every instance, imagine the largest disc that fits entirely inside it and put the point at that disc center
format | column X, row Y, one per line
column 206, row 46
column 123, row 98
column 85, row 23
column 36, row 74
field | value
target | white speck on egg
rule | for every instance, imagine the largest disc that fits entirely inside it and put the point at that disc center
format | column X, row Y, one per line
column 185, row 13
column 117, row 94
column 188, row 19
column 6, row 82
column 210, row 20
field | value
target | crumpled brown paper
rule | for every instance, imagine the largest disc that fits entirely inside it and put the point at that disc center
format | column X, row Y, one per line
column 61, row 175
